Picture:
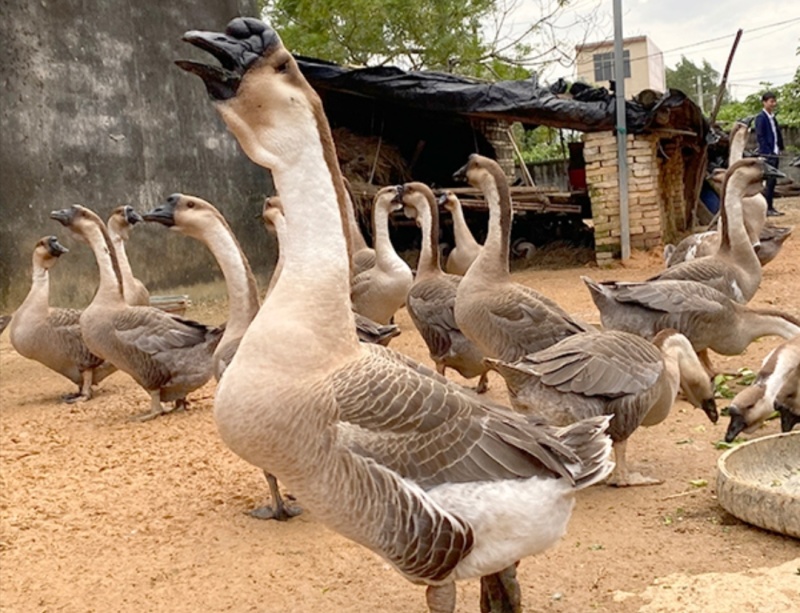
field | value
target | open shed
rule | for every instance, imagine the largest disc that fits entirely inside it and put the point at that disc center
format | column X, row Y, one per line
column 393, row 126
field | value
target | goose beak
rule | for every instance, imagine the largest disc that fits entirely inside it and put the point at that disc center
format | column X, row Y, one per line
column 771, row 172
column 709, row 407
column 737, row 425
column 55, row 248
column 242, row 44
column 788, row 419
column 63, row 216
column 164, row 213
column 131, row 216
column 460, row 175
column 398, row 195
column 441, row 199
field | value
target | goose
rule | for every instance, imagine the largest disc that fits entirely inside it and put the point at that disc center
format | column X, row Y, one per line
column 467, row 248
column 777, row 387
column 367, row 330
column 168, row 356
column 432, row 298
column 610, row 373
column 378, row 292
column 702, row 244
column 383, row 450
column 52, row 336
column 707, row 317
column 771, row 242
column 504, row 319
column 734, row 269
column 201, row 220
column 120, row 223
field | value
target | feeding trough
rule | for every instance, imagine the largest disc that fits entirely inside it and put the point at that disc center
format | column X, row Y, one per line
column 759, row 482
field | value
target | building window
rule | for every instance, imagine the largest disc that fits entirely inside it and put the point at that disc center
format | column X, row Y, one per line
column 604, row 65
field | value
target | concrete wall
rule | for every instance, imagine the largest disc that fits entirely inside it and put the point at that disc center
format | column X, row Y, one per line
column 646, row 61
column 93, row 111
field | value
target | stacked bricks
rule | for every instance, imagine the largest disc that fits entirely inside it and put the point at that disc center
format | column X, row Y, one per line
column 650, row 206
column 496, row 132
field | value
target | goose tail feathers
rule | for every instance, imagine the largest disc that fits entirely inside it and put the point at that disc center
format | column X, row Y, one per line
column 592, row 446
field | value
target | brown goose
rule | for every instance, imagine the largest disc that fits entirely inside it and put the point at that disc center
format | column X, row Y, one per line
column 194, row 217
column 610, row 373
column 168, row 356
column 432, row 298
column 120, row 224
column 777, row 387
column 708, row 318
column 202, row 221
column 504, row 319
column 378, row 292
column 52, row 336
column 381, row 449
column 734, row 269
column 467, row 248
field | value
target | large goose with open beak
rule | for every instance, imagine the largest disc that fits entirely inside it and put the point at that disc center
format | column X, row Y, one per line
column 379, row 448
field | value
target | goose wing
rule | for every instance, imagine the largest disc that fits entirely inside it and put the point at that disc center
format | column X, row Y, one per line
column 434, row 432
column 708, row 271
column 430, row 304
column 65, row 324
column 670, row 296
column 526, row 321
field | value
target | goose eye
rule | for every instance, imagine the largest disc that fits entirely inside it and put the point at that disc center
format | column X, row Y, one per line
column 283, row 67
column 190, row 204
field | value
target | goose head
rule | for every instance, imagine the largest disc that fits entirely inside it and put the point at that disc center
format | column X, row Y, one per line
column 485, row 174
column 748, row 410
column 387, row 199
column 79, row 221
column 751, row 172
column 695, row 383
column 122, row 220
column 417, row 200
column 188, row 215
column 257, row 75
column 47, row 252
column 449, row 201
column 272, row 213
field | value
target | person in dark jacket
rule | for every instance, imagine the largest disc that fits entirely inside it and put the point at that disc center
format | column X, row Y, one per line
column 770, row 144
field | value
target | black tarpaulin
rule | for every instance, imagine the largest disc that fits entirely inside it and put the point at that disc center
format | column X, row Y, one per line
column 522, row 100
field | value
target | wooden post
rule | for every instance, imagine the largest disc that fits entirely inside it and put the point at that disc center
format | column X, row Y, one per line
column 724, row 81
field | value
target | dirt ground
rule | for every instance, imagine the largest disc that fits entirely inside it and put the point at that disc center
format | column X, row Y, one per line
column 101, row 513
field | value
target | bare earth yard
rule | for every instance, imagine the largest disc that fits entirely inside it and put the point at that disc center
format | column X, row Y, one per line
column 101, row 513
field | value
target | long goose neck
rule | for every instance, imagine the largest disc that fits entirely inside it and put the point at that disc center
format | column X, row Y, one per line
column 122, row 259
column 384, row 250
column 110, row 288
column 38, row 298
column 755, row 323
column 734, row 234
column 239, row 279
column 315, row 255
column 429, row 263
column 493, row 259
column 461, row 230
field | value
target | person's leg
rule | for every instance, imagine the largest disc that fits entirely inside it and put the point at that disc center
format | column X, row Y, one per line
column 769, row 187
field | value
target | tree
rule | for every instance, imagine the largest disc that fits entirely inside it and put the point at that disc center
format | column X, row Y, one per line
column 788, row 104
column 685, row 78
column 464, row 36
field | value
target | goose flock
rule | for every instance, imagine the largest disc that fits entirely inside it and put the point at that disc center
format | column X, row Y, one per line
column 438, row 481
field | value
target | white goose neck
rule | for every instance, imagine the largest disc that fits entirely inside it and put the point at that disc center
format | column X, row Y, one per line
column 110, row 287
column 428, row 263
column 39, row 295
column 461, row 230
column 733, row 224
column 239, row 281
column 384, row 250
column 492, row 261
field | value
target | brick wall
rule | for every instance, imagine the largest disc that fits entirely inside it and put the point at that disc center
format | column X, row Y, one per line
column 496, row 132
column 655, row 192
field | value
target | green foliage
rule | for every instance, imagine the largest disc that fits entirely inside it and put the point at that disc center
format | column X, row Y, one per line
column 444, row 35
column 788, row 104
column 684, row 77
column 543, row 144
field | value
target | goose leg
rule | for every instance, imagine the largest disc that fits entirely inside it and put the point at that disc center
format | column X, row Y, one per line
column 483, row 383
column 621, row 477
column 500, row 592
column 441, row 598
column 279, row 511
column 156, row 408
column 85, row 393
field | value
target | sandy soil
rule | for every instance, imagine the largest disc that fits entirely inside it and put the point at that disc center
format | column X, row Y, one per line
column 100, row 513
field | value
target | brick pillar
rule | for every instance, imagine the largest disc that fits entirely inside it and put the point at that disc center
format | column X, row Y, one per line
column 644, row 204
column 496, row 133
